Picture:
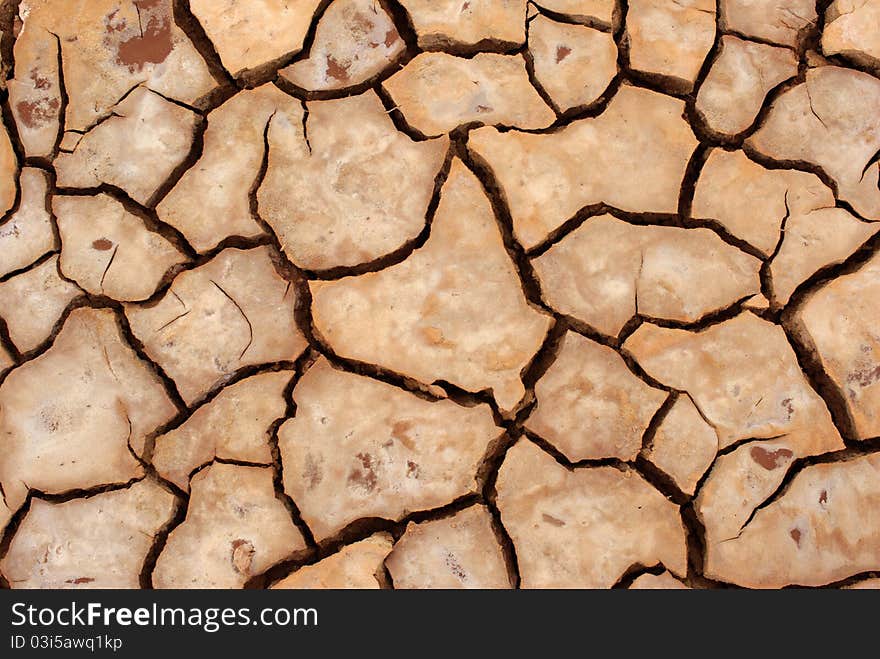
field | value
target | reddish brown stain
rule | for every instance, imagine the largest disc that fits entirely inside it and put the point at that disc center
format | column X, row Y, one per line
column 796, row 536
column 823, row 496
column 112, row 24
column 864, row 377
column 39, row 81
column 482, row 109
column 412, row 469
column 80, row 580
column 562, row 52
column 769, row 459
column 336, row 70
column 361, row 23
column 365, row 476
column 35, row 114
column 788, row 407
column 391, row 37
column 554, row 521
column 144, row 5
column 39, row 112
column 455, row 567
column 154, row 44
column 102, row 244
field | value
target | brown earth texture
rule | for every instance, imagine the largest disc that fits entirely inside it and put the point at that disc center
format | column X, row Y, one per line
column 440, row 294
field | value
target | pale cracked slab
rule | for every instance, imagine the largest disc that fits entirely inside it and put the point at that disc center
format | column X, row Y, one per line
column 441, row 23
column 781, row 22
column 454, row 552
column 638, row 149
column 137, row 149
column 233, row 426
column 738, row 81
column 274, row 28
column 814, row 239
column 747, row 383
column 589, row 404
column 751, row 201
column 664, row 581
column 27, row 234
column 70, row 415
column 739, row 482
column 109, row 46
column 786, row 214
column 235, row 528
column 744, row 378
column 573, row 63
column 8, row 172
column 584, row 528
column 94, row 542
column 344, row 186
column 840, row 320
column 359, row 448
column 825, row 527
column 355, row 566
column 831, row 120
column 437, row 92
column 454, row 310
column 747, row 199
column 671, row 39
column 607, row 271
column 35, row 92
column 231, row 312
column 355, row 41
column 211, row 202
column 684, row 445
column 32, row 303
column 602, row 11
column 108, row 250
column 851, row 29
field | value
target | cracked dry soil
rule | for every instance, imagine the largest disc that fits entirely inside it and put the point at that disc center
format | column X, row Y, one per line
column 440, row 293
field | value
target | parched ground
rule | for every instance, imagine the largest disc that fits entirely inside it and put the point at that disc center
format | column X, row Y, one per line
column 440, row 293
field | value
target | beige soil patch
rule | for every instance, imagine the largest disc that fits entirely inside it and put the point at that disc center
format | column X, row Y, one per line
column 440, row 294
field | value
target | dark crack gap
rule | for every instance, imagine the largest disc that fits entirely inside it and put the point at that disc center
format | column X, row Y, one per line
column 581, row 19
column 269, row 71
column 194, row 155
column 810, row 362
column 358, row 530
column 635, row 571
column 146, row 214
column 181, row 505
column 190, row 25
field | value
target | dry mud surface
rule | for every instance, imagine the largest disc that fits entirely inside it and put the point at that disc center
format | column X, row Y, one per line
column 440, row 293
